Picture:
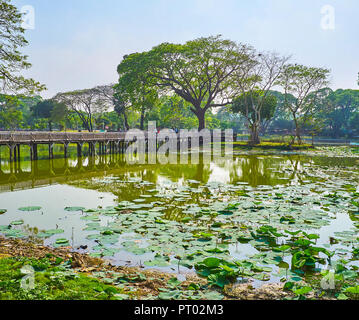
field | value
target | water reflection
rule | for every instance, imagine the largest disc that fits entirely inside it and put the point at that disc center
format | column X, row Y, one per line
column 254, row 170
column 66, row 182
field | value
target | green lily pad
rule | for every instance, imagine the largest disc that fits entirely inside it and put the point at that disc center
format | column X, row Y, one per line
column 17, row 223
column 213, row 295
column 50, row 233
column 74, row 209
column 29, row 209
column 62, row 242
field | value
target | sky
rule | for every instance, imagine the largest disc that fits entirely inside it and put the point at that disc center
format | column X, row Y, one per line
column 77, row 44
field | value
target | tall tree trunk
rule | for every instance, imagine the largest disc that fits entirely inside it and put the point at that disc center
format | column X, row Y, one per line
column 297, row 131
column 50, row 126
column 201, row 119
column 127, row 127
column 142, row 124
column 88, row 125
column 254, row 138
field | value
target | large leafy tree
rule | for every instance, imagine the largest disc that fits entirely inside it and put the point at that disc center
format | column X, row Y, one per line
column 121, row 108
column 261, row 76
column 344, row 104
column 11, row 116
column 304, row 84
column 51, row 111
column 85, row 104
column 203, row 72
column 12, row 61
column 133, row 88
column 247, row 105
column 116, row 100
column 282, row 122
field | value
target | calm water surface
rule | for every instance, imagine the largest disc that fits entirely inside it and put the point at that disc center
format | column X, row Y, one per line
column 56, row 184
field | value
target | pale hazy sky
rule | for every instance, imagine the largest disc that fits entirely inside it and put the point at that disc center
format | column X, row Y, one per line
column 78, row 44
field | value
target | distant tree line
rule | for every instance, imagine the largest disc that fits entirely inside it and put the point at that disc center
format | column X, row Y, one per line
column 334, row 114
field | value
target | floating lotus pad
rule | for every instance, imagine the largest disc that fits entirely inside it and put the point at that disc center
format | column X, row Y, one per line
column 74, row 209
column 49, row 233
column 29, row 209
column 230, row 215
column 12, row 233
column 61, row 242
column 17, row 223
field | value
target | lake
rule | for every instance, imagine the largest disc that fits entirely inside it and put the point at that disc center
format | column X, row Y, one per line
column 170, row 217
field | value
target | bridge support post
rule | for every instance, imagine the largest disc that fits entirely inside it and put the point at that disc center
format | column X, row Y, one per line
column 92, row 147
column 79, row 150
column 33, row 152
column 51, row 150
column 105, row 144
column 18, row 152
column 66, row 147
column 12, row 153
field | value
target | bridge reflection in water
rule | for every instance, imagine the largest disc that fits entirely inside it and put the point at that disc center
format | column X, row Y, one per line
column 27, row 174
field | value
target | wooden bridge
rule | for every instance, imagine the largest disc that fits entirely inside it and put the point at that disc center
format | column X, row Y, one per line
column 108, row 141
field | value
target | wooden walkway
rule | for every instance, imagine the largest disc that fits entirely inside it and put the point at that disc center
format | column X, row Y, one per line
column 108, row 141
column 98, row 142
column 7, row 138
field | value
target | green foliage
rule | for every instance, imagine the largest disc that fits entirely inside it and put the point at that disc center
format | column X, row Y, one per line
column 219, row 272
column 84, row 105
column 199, row 71
column 303, row 84
column 250, row 104
column 51, row 111
column 11, row 60
column 53, row 281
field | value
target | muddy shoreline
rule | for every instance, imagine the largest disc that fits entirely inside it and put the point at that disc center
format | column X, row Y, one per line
column 149, row 289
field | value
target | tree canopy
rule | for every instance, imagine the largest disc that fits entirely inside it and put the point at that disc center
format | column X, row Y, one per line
column 304, row 84
column 12, row 61
column 247, row 105
column 203, row 71
column 85, row 103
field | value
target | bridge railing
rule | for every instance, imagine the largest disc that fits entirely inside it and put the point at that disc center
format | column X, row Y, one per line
column 28, row 137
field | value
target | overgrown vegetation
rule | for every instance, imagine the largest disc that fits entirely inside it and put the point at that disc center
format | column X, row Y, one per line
column 53, row 280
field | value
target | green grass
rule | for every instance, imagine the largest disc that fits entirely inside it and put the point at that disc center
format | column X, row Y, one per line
column 273, row 145
column 53, row 281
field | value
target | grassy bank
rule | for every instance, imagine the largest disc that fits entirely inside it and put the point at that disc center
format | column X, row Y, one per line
column 60, row 274
column 272, row 145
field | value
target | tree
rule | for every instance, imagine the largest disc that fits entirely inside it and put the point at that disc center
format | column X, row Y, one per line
column 11, row 60
column 282, row 122
column 51, row 111
column 344, row 103
column 172, row 112
column 121, row 108
column 302, row 83
column 115, row 98
column 247, row 105
column 230, row 120
column 133, row 88
column 262, row 75
column 59, row 112
column 85, row 103
column 202, row 71
column 354, row 123
column 11, row 116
